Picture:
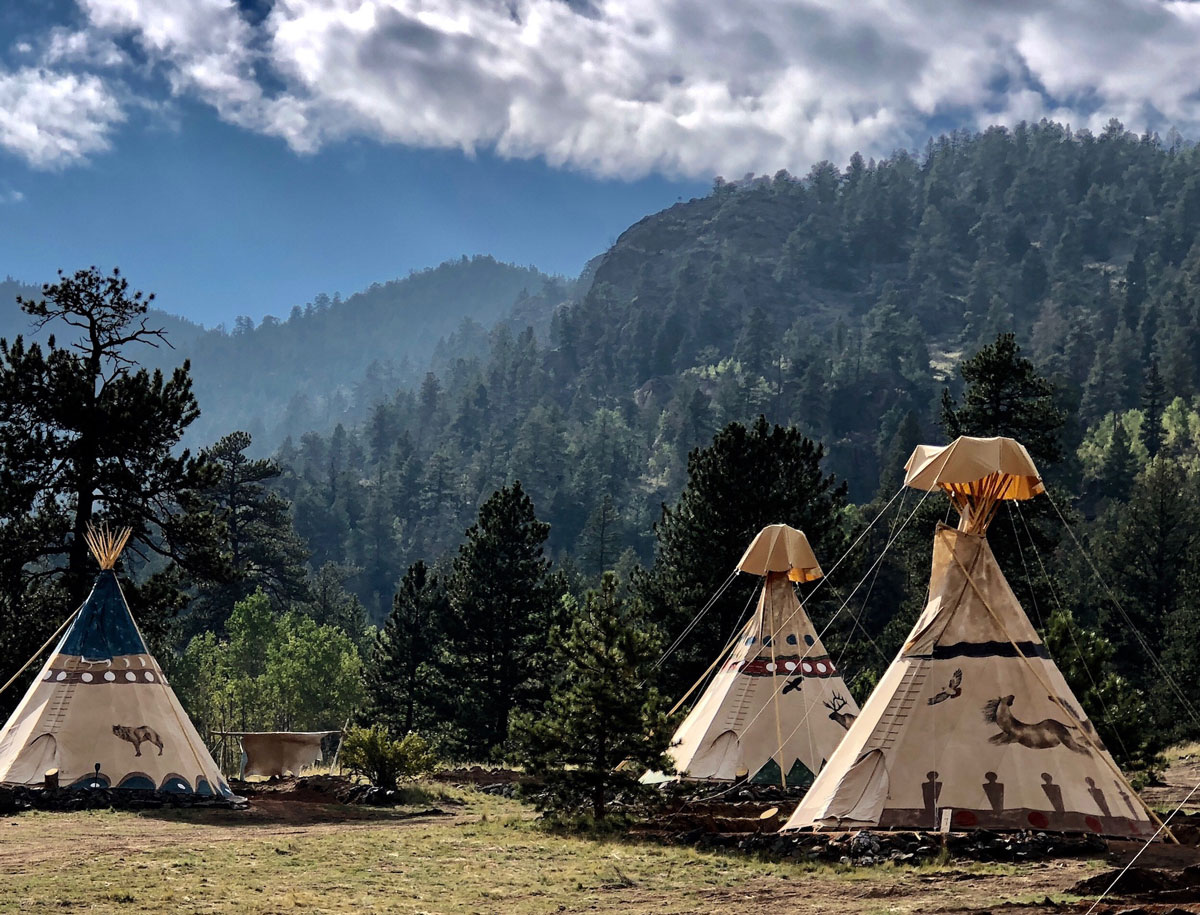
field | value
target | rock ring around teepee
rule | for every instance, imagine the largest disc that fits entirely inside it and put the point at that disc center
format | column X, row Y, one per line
column 973, row 724
column 101, row 712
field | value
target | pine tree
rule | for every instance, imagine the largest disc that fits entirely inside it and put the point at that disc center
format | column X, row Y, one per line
column 400, row 678
column 1031, row 283
column 502, row 599
column 329, row 603
column 1120, row 464
column 1154, row 401
column 1005, row 395
column 429, row 406
column 900, row 445
column 1152, row 539
column 756, row 344
column 746, row 479
column 884, row 331
column 1135, row 282
column 262, row 548
column 87, row 435
column 598, row 542
column 603, row 725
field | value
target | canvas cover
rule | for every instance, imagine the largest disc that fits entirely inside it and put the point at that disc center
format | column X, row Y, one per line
column 973, row 716
column 103, row 715
column 779, row 548
column 276, row 752
column 968, row 460
column 777, row 706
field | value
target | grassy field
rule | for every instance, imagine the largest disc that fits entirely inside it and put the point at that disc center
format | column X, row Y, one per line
column 485, row 856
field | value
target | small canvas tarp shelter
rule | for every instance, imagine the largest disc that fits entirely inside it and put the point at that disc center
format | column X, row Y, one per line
column 276, row 752
column 973, row 717
column 776, row 707
column 101, row 712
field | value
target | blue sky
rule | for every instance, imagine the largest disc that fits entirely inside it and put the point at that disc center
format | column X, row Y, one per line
column 240, row 156
column 220, row 221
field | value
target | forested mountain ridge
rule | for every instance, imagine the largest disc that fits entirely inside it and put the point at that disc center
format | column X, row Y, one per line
column 837, row 302
column 845, row 286
column 331, row 359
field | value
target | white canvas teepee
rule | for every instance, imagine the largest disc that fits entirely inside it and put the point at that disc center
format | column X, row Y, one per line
column 776, row 707
column 101, row 712
column 973, row 717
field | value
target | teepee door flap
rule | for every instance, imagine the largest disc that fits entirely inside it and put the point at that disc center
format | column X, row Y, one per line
column 861, row 794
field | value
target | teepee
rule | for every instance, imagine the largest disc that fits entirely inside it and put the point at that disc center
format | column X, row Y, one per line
column 776, row 707
column 101, row 712
column 973, row 724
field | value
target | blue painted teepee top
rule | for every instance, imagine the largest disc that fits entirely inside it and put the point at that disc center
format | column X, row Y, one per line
column 104, row 627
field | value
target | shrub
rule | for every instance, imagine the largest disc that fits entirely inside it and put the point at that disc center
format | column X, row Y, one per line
column 383, row 761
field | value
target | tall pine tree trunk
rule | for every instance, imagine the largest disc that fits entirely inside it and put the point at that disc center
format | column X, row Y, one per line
column 85, row 489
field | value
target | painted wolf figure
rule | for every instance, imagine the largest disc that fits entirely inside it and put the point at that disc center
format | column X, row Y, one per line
column 1040, row 736
column 138, row 736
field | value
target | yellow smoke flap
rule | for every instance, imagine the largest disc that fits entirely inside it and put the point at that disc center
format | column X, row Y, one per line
column 977, row 474
column 968, row 461
column 779, row 548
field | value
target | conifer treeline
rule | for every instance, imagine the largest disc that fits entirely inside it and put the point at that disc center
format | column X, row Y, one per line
column 837, row 303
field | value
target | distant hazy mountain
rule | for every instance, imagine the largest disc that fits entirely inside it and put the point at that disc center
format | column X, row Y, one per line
column 329, row 361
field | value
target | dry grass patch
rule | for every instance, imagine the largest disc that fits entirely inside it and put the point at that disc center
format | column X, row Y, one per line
column 485, row 857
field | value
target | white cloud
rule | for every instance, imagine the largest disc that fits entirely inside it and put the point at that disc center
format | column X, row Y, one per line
column 82, row 46
column 679, row 86
column 204, row 45
column 52, row 119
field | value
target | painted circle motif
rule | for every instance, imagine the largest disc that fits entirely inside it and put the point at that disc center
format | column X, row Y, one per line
column 130, row 676
column 1038, row 820
column 86, row 677
column 109, row 676
column 1093, row 824
column 176, row 784
column 791, row 639
column 808, row 640
column 806, row 667
column 149, row 677
column 62, row 675
column 965, row 818
column 47, row 675
column 771, row 666
column 821, row 668
column 790, row 665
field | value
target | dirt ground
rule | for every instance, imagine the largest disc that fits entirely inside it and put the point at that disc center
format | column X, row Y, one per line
column 485, row 857
column 1182, row 775
column 462, row 851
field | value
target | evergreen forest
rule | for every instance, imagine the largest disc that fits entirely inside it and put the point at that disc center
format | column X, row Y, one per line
column 408, row 505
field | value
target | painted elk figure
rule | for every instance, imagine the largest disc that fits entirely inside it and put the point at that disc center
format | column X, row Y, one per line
column 845, row 719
